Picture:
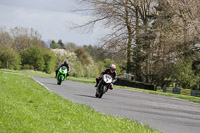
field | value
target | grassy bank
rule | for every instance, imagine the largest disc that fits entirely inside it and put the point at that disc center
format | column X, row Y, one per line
column 29, row 72
column 184, row 97
column 26, row 106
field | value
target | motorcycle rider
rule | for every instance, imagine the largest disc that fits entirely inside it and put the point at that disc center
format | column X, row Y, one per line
column 66, row 65
column 110, row 71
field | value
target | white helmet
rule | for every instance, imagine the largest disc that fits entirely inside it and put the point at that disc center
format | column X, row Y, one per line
column 112, row 68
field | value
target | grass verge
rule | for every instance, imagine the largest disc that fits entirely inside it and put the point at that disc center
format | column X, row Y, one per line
column 26, row 106
column 29, row 72
column 184, row 97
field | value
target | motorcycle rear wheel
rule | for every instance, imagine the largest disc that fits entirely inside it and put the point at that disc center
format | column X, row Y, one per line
column 99, row 91
column 96, row 95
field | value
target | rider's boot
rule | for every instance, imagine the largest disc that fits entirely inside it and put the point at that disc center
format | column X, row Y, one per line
column 96, row 84
column 111, row 86
column 97, row 81
column 56, row 73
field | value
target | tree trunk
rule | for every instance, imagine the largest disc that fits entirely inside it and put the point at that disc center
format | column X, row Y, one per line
column 138, row 48
column 130, row 37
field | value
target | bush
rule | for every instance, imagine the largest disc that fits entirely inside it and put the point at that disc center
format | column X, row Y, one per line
column 78, row 69
column 33, row 56
column 81, row 63
column 50, row 61
column 65, row 55
column 9, row 58
column 17, row 62
column 183, row 74
column 29, row 67
column 83, row 56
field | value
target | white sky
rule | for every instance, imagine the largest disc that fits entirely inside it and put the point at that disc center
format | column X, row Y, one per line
column 51, row 18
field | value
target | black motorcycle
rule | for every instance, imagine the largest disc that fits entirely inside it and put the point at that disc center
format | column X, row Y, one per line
column 103, row 85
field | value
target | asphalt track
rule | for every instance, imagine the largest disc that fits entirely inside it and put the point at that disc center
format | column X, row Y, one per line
column 168, row 115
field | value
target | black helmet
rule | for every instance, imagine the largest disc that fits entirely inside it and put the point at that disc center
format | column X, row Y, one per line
column 65, row 63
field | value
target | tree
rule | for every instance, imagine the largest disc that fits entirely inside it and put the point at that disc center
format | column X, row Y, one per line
column 71, row 45
column 175, row 36
column 154, row 34
column 83, row 56
column 98, row 53
column 183, row 74
column 187, row 20
column 53, row 45
column 61, row 44
column 5, row 38
column 23, row 38
column 162, row 51
column 116, row 15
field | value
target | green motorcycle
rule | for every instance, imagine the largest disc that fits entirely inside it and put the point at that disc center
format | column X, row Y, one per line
column 62, row 74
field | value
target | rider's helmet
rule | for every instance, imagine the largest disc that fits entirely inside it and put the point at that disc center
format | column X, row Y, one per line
column 66, row 63
column 112, row 68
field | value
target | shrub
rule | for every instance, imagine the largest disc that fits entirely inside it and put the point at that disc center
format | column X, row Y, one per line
column 91, row 71
column 9, row 58
column 183, row 74
column 65, row 55
column 78, row 69
column 50, row 61
column 27, row 66
column 17, row 62
column 83, row 56
column 33, row 56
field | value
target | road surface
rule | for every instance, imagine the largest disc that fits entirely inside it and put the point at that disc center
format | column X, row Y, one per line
column 166, row 114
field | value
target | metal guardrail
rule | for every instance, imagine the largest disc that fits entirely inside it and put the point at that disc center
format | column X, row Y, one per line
column 195, row 93
column 188, row 92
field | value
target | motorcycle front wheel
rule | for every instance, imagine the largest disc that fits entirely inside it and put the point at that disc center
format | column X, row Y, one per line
column 60, row 80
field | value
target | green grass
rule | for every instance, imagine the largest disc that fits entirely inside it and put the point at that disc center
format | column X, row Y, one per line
column 26, row 106
column 83, row 80
column 29, row 72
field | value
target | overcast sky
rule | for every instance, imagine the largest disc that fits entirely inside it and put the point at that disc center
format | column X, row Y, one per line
column 51, row 18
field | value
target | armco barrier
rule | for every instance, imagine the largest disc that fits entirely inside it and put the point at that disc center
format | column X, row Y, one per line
column 176, row 91
column 128, row 83
column 195, row 93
